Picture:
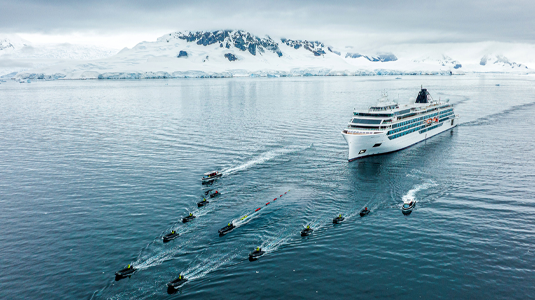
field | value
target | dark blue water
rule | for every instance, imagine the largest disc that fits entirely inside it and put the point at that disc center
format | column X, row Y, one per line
column 93, row 173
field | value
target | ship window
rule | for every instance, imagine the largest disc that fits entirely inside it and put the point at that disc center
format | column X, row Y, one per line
column 403, row 112
column 366, row 121
column 362, row 151
column 377, row 145
column 372, row 115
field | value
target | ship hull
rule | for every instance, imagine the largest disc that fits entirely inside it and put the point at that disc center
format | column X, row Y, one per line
column 362, row 145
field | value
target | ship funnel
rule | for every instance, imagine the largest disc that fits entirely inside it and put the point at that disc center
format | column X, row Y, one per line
column 422, row 96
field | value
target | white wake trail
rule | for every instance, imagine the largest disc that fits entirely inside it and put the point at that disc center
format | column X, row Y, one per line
column 280, row 239
column 210, row 264
column 411, row 194
column 264, row 157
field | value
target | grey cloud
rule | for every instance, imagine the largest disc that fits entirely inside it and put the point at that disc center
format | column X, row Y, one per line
column 420, row 21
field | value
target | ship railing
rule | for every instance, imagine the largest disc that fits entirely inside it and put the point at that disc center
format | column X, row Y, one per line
column 360, row 133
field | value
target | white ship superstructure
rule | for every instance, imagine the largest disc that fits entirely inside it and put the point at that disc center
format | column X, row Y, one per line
column 388, row 126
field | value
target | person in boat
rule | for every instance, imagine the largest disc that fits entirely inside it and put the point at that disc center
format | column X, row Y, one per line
column 179, row 276
column 228, row 224
column 129, row 267
column 308, row 226
column 173, row 232
column 257, row 249
column 204, row 199
column 340, row 216
column 190, row 214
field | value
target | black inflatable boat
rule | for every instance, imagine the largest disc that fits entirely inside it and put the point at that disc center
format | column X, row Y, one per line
column 226, row 229
column 364, row 212
column 175, row 284
column 211, row 176
column 307, row 231
column 338, row 219
column 126, row 272
column 203, row 203
column 188, row 218
column 215, row 194
column 170, row 236
column 256, row 254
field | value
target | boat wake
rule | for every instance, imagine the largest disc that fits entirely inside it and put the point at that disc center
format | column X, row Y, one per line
column 154, row 255
column 203, row 267
column 411, row 194
column 288, row 233
column 207, row 265
column 283, row 237
column 151, row 257
column 245, row 219
column 264, row 157
column 200, row 269
column 464, row 99
column 491, row 119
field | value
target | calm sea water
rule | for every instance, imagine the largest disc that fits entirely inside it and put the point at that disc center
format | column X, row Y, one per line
column 93, row 173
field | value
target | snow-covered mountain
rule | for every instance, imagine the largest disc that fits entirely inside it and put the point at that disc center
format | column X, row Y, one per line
column 380, row 57
column 499, row 62
column 59, row 51
column 229, row 53
column 11, row 43
column 444, row 61
column 17, row 54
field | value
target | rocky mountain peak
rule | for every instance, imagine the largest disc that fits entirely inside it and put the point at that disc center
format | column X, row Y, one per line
column 240, row 39
column 499, row 60
column 313, row 46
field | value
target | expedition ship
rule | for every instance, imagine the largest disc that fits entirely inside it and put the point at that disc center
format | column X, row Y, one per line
column 388, row 127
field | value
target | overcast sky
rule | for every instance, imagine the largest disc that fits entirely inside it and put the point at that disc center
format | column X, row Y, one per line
column 373, row 23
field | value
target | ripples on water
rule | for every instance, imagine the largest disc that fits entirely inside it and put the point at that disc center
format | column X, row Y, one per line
column 93, row 174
